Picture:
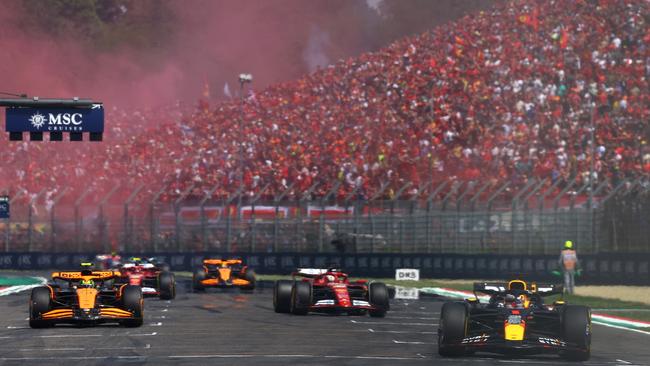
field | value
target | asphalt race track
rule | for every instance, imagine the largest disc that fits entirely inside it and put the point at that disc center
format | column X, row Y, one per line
column 234, row 328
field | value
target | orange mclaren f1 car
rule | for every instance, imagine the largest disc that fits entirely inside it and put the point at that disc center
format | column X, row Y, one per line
column 223, row 273
column 85, row 297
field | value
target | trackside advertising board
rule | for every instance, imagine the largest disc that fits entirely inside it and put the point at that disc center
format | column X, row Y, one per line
column 56, row 119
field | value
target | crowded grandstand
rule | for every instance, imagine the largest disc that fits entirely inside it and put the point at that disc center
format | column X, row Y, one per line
column 502, row 95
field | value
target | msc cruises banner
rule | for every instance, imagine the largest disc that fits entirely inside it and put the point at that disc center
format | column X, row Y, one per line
column 56, row 119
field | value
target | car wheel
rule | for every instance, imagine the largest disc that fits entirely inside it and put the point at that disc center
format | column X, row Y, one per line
column 132, row 301
column 452, row 329
column 39, row 303
column 249, row 276
column 576, row 326
column 378, row 298
column 301, row 297
column 282, row 296
column 198, row 276
column 166, row 286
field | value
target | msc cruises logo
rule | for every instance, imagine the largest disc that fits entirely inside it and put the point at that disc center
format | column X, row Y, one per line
column 57, row 121
column 37, row 120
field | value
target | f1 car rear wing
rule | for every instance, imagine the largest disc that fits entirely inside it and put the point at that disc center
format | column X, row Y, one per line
column 493, row 288
column 79, row 275
column 309, row 272
column 222, row 261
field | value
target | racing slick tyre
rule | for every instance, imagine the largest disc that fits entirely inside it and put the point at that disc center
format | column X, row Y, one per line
column 378, row 298
column 301, row 297
column 452, row 328
column 132, row 301
column 39, row 303
column 576, row 326
column 166, row 286
column 282, row 296
column 198, row 276
column 249, row 276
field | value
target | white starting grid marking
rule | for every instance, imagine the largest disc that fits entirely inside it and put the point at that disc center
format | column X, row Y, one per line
column 393, row 323
column 81, row 335
column 399, row 331
column 406, row 342
column 392, row 358
column 148, row 346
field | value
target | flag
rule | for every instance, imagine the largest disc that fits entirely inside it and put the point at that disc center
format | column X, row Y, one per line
column 564, row 39
column 226, row 90
column 206, row 90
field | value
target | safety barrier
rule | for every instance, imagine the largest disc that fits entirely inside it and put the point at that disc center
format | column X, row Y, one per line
column 597, row 269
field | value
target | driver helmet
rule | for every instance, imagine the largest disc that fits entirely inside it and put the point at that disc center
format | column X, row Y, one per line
column 87, row 283
column 568, row 244
column 330, row 278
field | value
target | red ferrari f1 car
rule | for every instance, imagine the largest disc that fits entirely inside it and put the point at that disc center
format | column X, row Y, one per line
column 329, row 291
column 154, row 278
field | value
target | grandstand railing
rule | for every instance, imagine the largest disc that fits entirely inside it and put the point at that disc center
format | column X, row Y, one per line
column 449, row 217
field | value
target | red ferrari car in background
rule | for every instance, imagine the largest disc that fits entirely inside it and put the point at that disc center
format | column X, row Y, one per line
column 155, row 279
column 329, row 291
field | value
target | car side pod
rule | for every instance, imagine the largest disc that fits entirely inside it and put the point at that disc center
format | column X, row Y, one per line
column 452, row 329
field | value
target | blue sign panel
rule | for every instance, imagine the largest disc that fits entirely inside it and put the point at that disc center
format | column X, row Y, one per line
column 56, row 119
column 4, row 207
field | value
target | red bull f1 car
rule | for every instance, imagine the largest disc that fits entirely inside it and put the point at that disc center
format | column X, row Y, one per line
column 154, row 278
column 515, row 320
column 85, row 297
column 223, row 273
column 329, row 291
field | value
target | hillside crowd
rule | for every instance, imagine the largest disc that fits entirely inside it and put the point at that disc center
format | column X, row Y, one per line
column 504, row 95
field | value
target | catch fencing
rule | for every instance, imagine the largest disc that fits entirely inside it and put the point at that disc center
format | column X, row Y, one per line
column 448, row 217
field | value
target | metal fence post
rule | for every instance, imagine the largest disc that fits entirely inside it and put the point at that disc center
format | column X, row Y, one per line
column 488, row 214
column 204, row 220
column 603, row 201
column 226, row 210
column 429, row 217
column 252, row 219
column 153, row 232
column 393, row 227
column 527, row 217
column 177, row 216
column 53, row 232
column 77, row 218
column 321, row 217
column 415, row 232
column 127, row 236
column 276, row 218
column 515, row 204
column 30, row 219
column 103, row 225
column 457, row 223
column 371, row 216
column 8, row 221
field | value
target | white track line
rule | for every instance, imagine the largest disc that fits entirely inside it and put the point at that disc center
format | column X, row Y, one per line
column 620, row 327
column 406, row 342
column 393, row 323
column 399, row 331
column 298, row 356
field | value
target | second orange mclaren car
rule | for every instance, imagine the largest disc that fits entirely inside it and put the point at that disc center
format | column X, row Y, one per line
column 223, row 273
